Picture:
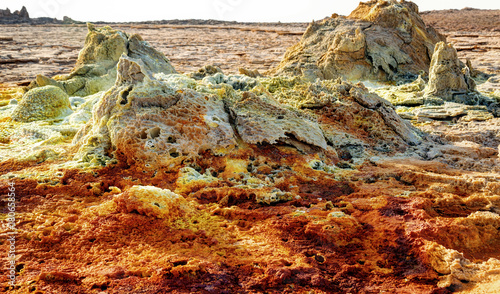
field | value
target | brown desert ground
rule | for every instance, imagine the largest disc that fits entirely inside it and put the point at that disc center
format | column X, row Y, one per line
column 53, row 49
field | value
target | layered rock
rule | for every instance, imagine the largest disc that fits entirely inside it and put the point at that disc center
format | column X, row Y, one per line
column 449, row 79
column 44, row 103
column 380, row 40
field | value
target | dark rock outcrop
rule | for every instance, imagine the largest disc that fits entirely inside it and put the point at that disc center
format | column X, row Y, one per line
column 23, row 17
column 8, row 17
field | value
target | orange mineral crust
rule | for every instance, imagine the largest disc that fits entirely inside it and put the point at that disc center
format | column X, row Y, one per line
column 410, row 226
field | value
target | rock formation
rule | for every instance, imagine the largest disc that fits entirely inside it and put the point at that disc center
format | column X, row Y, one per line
column 7, row 17
column 95, row 69
column 380, row 40
column 450, row 93
column 22, row 17
column 145, row 119
column 449, row 79
column 148, row 116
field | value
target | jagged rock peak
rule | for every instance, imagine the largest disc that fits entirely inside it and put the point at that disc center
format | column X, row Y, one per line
column 7, row 15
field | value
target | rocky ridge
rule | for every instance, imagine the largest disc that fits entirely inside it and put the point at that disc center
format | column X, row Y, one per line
column 22, row 17
column 7, row 17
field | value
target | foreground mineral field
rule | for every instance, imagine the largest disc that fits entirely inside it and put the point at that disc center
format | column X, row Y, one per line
column 356, row 154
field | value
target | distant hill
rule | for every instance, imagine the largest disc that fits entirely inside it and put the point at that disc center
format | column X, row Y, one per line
column 22, row 17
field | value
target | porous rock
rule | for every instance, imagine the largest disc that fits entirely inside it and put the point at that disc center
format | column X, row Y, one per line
column 143, row 118
column 380, row 40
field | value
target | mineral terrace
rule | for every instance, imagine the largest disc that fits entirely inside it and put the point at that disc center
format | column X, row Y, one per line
column 365, row 161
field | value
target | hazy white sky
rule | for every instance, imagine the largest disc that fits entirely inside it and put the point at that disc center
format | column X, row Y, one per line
column 239, row 10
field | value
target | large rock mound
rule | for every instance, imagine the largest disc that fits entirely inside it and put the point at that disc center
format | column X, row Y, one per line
column 158, row 119
column 380, row 40
column 95, row 68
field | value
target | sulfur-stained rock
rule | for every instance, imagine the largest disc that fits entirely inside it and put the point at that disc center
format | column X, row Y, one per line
column 143, row 118
column 207, row 70
column 95, row 69
column 340, row 107
column 83, row 109
column 260, row 120
column 237, row 82
column 380, row 40
column 152, row 201
column 448, row 78
column 410, row 95
column 102, row 46
column 456, row 269
column 43, row 103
